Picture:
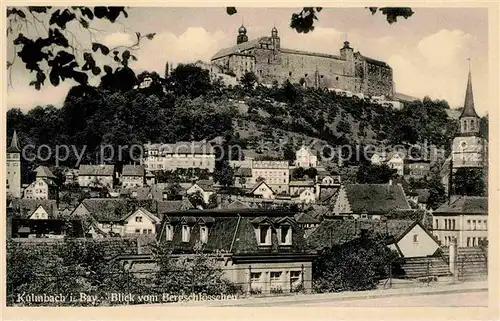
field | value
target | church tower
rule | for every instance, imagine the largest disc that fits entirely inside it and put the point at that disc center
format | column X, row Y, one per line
column 469, row 149
column 14, row 168
column 242, row 35
column 275, row 39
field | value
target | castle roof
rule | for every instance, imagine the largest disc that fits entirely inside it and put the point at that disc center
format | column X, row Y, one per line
column 469, row 110
column 14, row 144
column 238, row 48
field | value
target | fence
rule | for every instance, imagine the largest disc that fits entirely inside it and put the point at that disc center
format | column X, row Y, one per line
column 156, row 286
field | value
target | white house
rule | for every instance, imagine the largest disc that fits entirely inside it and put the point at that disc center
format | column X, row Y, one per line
column 416, row 241
column 396, row 161
column 305, row 158
column 262, row 190
column 204, row 187
column 140, row 221
column 40, row 213
column 132, row 176
column 41, row 189
column 307, row 196
column 96, row 175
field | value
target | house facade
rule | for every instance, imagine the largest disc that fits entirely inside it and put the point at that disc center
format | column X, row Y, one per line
column 41, row 189
column 96, row 175
column 275, row 173
column 417, row 169
column 206, row 190
column 306, row 158
column 169, row 157
column 132, row 176
column 263, row 190
column 465, row 218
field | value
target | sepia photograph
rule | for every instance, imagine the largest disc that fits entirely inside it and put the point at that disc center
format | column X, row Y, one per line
column 247, row 156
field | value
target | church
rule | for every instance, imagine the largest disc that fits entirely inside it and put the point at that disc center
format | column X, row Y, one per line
column 264, row 56
column 469, row 149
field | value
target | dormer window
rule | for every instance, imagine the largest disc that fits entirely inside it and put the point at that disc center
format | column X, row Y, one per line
column 204, row 234
column 264, row 235
column 285, row 235
column 169, row 232
column 185, row 233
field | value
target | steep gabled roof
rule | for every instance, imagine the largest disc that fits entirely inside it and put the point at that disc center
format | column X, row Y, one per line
column 25, row 207
column 113, row 209
column 238, row 204
column 375, row 198
column 469, row 110
column 465, row 205
column 133, row 170
column 338, row 231
column 174, row 206
column 44, row 172
column 96, row 170
column 14, row 144
column 257, row 185
column 304, row 218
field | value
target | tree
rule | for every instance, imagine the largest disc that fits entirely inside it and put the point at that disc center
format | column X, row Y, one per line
column 311, row 172
column 469, row 181
column 224, row 174
column 354, row 266
column 375, row 174
column 59, row 48
column 212, row 201
column 189, row 80
column 298, row 173
column 248, row 80
column 289, row 152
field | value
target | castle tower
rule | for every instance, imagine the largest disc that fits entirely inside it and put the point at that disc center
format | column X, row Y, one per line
column 242, row 35
column 469, row 149
column 347, row 53
column 275, row 38
column 14, row 168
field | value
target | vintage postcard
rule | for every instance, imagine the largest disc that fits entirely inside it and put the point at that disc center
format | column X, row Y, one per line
column 189, row 156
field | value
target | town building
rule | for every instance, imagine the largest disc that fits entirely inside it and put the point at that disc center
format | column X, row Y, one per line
column 96, row 175
column 270, row 62
column 416, row 169
column 71, row 176
column 469, row 149
column 204, row 187
column 395, row 160
column 132, row 176
column 262, row 190
column 276, row 174
column 14, row 168
column 465, row 218
column 306, row 158
column 409, row 238
column 305, row 191
column 41, row 189
column 369, row 200
column 169, row 157
column 261, row 250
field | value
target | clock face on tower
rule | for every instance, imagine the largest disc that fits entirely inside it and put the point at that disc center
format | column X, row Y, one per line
column 463, row 144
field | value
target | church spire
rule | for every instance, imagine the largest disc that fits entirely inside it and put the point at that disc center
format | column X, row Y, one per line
column 469, row 110
column 14, row 144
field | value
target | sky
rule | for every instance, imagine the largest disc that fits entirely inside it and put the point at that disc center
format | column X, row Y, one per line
column 428, row 52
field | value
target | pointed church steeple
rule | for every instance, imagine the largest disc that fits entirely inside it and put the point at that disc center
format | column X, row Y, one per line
column 14, row 144
column 469, row 110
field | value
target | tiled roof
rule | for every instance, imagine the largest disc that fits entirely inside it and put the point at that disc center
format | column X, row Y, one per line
column 237, row 49
column 305, row 218
column 375, row 198
column 465, row 205
column 201, row 147
column 230, row 233
column 328, row 195
column 133, row 170
column 238, row 204
column 423, row 194
column 256, row 185
column 173, row 206
column 113, row 210
column 301, row 183
column 243, row 172
column 25, row 207
column 338, row 231
column 96, row 170
column 43, row 171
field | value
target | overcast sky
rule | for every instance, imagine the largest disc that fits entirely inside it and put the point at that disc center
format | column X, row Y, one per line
column 428, row 52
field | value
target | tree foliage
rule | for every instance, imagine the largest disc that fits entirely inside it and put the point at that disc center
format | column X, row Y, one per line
column 58, row 54
column 354, row 266
column 469, row 181
column 375, row 174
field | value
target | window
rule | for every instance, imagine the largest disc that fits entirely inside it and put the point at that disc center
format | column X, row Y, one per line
column 169, row 232
column 137, row 231
column 474, row 224
column 468, row 242
column 286, row 235
column 203, row 234
column 445, row 224
column 469, row 225
column 275, row 276
column 437, row 224
column 185, row 233
column 415, row 238
column 453, row 225
column 265, row 235
column 150, row 231
column 144, row 231
column 295, row 277
column 138, row 219
column 473, row 241
column 255, row 276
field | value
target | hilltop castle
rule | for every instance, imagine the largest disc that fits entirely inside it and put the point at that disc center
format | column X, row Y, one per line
column 270, row 62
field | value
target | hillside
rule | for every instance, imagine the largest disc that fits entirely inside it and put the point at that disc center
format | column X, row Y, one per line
column 190, row 106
